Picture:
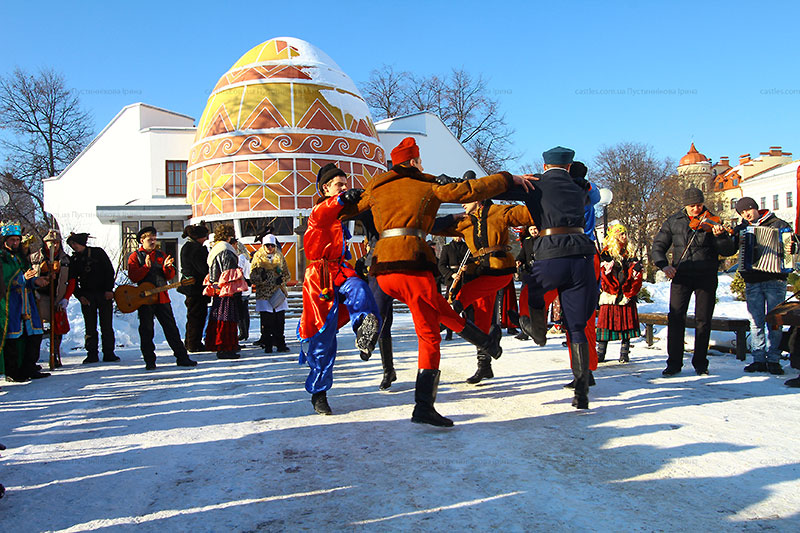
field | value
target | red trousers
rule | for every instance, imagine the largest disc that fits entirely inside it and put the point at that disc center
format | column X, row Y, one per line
column 428, row 308
column 481, row 293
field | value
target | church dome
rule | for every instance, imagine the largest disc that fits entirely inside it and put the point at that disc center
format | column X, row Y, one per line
column 283, row 110
column 693, row 157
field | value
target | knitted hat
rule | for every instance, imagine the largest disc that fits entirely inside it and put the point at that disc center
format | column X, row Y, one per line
column 144, row 231
column 78, row 238
column 405, row 151
column 327, row 173
column 746, row 203
column 693, row 195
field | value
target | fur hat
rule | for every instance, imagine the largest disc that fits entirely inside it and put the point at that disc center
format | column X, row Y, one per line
column 746, row 203
column 78, row 238
column 692, row 196
column 405, row 151
column 327, row 173
column 144, row 231
column 578, row 170
column 195, row 231
column 269, row 239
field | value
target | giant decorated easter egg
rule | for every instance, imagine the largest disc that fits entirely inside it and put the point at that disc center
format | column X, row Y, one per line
column 281, row 112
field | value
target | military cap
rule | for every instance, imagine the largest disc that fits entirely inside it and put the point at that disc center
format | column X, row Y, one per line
column 558, row 156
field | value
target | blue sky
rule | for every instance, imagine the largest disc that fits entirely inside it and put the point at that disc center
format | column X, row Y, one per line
column 583, row 74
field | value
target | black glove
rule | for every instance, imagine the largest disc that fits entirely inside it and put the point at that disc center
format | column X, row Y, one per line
column 444, row 179
column 351, row 196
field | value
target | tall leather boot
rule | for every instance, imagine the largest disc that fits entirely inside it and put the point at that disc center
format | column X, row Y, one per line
column 387, row 361
column 535, row 326
column 57, row 352
column 484, row 370
column 602, row 347
column 487, row 344
column 579, row 361
column 424, row 396
column 624, row 352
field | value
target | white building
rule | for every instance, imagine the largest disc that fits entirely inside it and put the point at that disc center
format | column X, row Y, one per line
column 776, row 190
column 132, row 174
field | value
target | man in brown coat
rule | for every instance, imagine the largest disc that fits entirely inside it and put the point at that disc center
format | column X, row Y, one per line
column 491, row 268
column 404, row 202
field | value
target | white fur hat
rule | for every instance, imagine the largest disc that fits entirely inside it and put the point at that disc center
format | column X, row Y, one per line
column 269, row 239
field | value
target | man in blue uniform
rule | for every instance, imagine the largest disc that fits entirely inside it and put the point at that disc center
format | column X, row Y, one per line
column 564, row 262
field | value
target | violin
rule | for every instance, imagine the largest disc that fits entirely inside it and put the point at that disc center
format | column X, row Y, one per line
column 706, row 222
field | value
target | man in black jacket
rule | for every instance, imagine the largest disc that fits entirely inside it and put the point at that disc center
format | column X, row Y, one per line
column 695, row 261
column 763, row 292
column 194, row 256
column 94, row 277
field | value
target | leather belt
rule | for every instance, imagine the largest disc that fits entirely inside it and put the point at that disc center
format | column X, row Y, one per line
column 403, row 232
column 561, row 230
column 484, row 251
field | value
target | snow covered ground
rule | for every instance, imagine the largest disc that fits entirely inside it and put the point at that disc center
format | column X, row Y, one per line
column 236, row 446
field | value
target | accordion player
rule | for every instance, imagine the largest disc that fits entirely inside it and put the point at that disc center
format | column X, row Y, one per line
column 766, row 249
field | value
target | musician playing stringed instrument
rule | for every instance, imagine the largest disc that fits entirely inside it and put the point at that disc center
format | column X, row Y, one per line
column 148, row 264
column 696, row 242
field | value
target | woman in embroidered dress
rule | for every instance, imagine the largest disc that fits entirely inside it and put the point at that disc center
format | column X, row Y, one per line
column 224, row 281
column 620, row 282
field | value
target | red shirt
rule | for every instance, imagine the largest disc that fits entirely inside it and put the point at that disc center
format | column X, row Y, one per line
column 138, row 272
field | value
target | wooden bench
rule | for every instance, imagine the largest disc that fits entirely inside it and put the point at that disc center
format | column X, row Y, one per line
column 738, row 325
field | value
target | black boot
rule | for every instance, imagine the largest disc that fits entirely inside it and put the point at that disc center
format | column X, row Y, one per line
column 424, row 396
column 624, row 352
column 278, row 337
column 579, row 361
column 484, row 370
column 486, row 344
column 449, row 335
column 367, row 335
column 320, row 402
column 387, row 361
column 602, row 347
column 534, row 326
column 571, row 384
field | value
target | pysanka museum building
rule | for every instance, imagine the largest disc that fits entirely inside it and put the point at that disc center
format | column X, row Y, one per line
column 281, row 112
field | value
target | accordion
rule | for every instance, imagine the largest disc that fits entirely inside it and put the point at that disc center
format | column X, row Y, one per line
column 766, row 249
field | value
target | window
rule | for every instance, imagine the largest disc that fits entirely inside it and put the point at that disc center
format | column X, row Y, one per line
column 775, row 202
column 763, row 203
column 733, row 203
column 176, row 178
column 789, row 199
column 735, row 182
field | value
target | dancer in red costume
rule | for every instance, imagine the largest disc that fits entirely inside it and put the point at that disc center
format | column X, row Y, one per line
column 404, row 202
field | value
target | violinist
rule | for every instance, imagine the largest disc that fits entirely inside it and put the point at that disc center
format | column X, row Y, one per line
column 697, row 239
column 51, row 262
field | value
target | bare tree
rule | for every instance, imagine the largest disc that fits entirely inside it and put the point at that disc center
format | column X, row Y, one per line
column 46, row 128
column 385, row 92
column 644, row 187
column 461, row 100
